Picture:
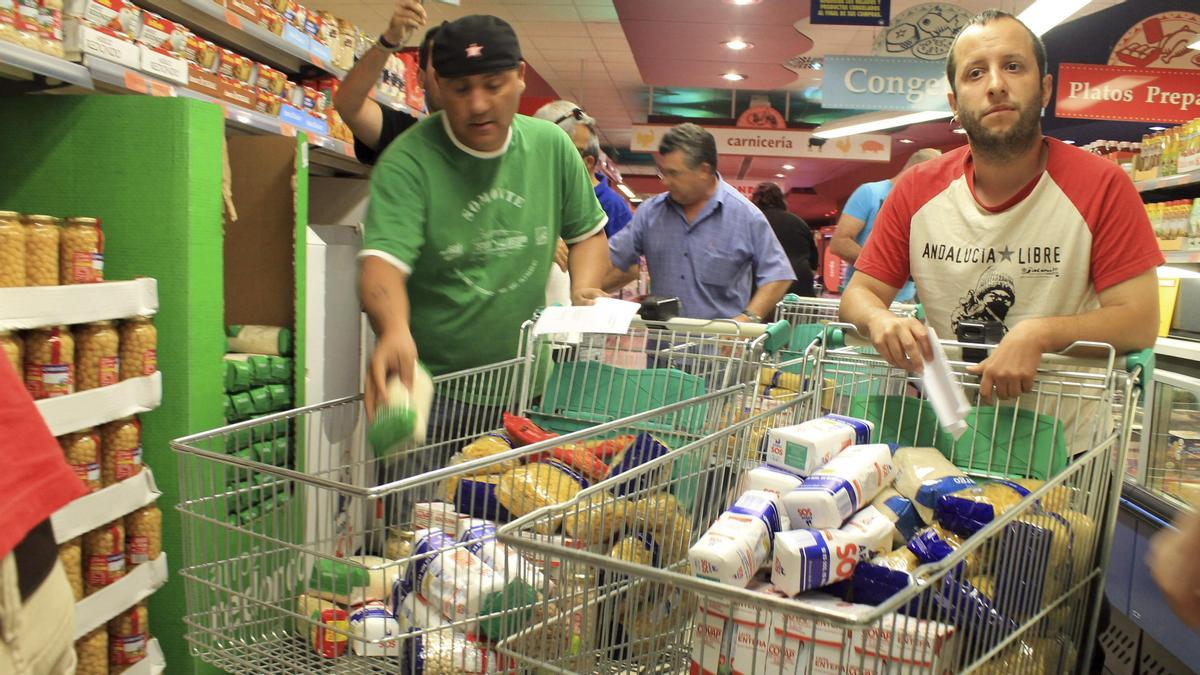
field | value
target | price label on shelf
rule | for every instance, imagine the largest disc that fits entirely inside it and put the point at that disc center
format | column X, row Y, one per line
column 160, row 89
column 134, row 81
column 233, row 19
column 287, row 129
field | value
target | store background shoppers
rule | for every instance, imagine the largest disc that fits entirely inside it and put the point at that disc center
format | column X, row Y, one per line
column 793, row 234
column 1047, row 239
column 37, row 606
column 375, row 126
column 704, row 243
column 858, row 219
column 465, row 211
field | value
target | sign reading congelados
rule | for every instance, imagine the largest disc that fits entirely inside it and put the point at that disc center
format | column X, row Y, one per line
column 776, row 143
column 884, row 83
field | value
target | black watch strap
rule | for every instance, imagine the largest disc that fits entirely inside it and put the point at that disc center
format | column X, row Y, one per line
column 389, row 46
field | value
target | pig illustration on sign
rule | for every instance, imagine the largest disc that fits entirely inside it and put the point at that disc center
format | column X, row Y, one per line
column 871, row 146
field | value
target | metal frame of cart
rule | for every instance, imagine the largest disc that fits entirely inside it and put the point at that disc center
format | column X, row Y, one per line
column 258, row 538
column 1021, row 595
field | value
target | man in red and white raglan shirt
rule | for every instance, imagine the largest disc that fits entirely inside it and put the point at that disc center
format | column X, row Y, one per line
column 1015, row 227
column 37, row 608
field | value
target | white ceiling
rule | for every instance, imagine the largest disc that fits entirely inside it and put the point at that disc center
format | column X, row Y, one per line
column 579, row 47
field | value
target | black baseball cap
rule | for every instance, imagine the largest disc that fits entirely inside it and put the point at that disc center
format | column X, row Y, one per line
column 426, row 43
column 474, row 45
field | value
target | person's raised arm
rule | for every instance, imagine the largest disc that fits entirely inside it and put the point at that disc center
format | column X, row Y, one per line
column 383, row 290
column 352, row 101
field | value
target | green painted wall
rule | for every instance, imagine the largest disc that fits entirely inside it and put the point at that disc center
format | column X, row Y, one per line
column 150, row 168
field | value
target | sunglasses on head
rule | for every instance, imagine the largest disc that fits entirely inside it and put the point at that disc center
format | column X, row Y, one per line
column 577, row 113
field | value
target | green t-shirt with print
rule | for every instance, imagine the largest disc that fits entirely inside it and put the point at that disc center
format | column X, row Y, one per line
column 476, row 232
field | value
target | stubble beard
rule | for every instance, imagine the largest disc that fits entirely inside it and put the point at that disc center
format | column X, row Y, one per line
column 1006, row 145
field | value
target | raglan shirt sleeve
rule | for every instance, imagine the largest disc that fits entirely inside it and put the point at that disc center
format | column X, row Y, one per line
column 885, row 255
column 1123, row 241
column 582, row 215
column 770, row 260
column 398, row 211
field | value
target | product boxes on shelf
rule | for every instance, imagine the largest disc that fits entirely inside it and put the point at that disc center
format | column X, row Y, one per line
column 203, row 81
column 81, row 38
column 163, row 64
column 236, row 93
column 248, row 9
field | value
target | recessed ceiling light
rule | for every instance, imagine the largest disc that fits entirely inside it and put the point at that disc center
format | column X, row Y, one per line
column 742, row 2
column 1069, row 142
column 1158, row 128
column 960, row 131
column 738, row 44
column 779, row 175
column 788, row 167
column 906, row 140
column 734, row 77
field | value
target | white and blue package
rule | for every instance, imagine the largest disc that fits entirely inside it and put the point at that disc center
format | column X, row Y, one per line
column 839, row 489
column 733, row 549
column 803, row 448
column 923, row 474
column 965, row 512
column 644, row 448
column 901, row 511
column 475, row 496
column 808, row 559
column 931, row 490
column 480, row 538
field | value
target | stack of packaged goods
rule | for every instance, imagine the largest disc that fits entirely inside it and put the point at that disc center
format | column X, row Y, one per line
column 36, row 24
column 1169, row 152
column 1176, row 223
column 258, row 381
column 834, row 522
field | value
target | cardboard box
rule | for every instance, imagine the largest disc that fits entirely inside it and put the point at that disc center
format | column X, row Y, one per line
column 201, row 53
column 167, row 35
column 203, row 81
column 163, row 64
column 80, row 38
column 270, row 80
column 236, row 67
column 237, row 93
column 742, row 639
column 247, row 9
column 267, row 103
column 115, row 15
column 271, row 20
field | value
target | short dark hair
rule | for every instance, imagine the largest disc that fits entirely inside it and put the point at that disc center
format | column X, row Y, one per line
column 697, row 145
column 768, row 196
column 426, row 47
column 982, row 19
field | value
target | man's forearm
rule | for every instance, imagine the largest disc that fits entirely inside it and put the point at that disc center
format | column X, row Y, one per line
column 352, row 101
column 1126, row 328
column 846, row 249
column 617, row 278
column 383, row 291
column 589, row 262
column 767, row 296
column 859, row 305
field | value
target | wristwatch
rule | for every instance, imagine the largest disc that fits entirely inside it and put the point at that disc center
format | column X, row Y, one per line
column 389, row 47
column 754, row 318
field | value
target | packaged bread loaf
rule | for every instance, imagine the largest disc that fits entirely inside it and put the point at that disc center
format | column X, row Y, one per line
column 923, row 475
column 143, row 536
column 91, row 653
column 42, row 234
column 12, row 250
column 104, row 556
column 70, row 554
column 121, row 456
column 83, row 452
column 97, row 355
column 50, row 362
column 139, row 347
column 270, row 340
column 128, row 634
column 13, row 348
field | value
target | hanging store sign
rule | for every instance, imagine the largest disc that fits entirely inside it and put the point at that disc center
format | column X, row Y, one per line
column 851, row 12
column 924, row 31
column 884, row 83
column 1126, row 94
column 776, row 143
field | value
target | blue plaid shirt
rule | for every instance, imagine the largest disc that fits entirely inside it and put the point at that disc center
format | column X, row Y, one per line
column 707, row 264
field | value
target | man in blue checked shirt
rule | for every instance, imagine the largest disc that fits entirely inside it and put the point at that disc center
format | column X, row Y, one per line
column 704, row 243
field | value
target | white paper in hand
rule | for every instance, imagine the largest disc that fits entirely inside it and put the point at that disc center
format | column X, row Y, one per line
column 943, row 391
column 606, row 316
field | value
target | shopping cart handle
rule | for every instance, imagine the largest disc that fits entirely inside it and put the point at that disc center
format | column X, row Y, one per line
column 835, row 337
column 779, row 333
column 790, row 298
column 1141, row 363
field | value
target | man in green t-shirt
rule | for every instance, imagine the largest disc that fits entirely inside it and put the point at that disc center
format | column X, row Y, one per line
column 465, row 211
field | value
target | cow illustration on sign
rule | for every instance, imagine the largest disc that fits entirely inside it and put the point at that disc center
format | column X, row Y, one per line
column 1160, row 41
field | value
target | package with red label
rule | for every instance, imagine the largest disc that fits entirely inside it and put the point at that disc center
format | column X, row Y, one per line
column 326, row 88
column 201, row 52
column 272, row 20
column 121, row 18
column 327, row 29
column 163, row 34
column 50, row 28
column 237, row 67
column 103, row 556
column 268, row 103
column 296, row 14
column 128, row 634
column 270, row 80
column 414, row 93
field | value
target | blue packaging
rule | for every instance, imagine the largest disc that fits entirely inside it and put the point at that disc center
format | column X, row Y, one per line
column 964, row 516
column 644, row 448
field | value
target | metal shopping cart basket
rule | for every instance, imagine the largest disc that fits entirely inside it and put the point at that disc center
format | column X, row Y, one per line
column 286, row 521
column 1020, row 595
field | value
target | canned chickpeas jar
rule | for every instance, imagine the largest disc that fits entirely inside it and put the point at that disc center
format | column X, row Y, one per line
column 12, row 250
column 81, row 252
column 121, row 458
column 13, row 348
column 50, row 362
column 42, row 236
column 139, row 347
column 97, row 355
column 82, row 450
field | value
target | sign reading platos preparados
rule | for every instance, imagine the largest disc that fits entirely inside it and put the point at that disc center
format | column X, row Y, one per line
column 1127, row 94
column 776, row 143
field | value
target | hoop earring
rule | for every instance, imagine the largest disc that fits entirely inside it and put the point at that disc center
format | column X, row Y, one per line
column 954, row 122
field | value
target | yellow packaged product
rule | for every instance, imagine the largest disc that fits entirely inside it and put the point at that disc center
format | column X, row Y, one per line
column 527, row 488
column 42, row 235
column 778, row 379
column 143, row 536
column 122, row 450
column 70, row 555
column 663, row 516
column 597, row 519
column 139, row 347
column 50, row 362
column 128, row 634
column 487, row 446
column 91, row 653
column 97, row 355
column 1058, row 499
column 82, row 450
column 965, row 512
column 104, row 556
column 81, row 252
column 12, row 246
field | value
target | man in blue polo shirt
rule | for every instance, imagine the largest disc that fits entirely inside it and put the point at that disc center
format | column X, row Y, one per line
column 704, row 243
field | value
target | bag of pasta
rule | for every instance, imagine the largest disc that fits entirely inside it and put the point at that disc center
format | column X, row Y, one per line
column 965, row 512
column 663, row 516
column 488, row 445
column 528, row 488
column 597, row 519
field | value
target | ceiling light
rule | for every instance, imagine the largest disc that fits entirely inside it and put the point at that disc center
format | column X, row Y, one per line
column 1157, row 128
column 738, row 44
column 1069, row 142
column 788, row 167
column 743, row 2
column 625, row 189
column 906, row 140
column 1043, row 15
column 881, row 124
column 1195, row 45
column 734, row 77
column 961, row 131
column 779, row 175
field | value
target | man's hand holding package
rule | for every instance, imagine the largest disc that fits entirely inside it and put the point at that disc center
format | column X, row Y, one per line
column 901, row 341
column 1009, row 371
column 408, row 16
column 395, row 353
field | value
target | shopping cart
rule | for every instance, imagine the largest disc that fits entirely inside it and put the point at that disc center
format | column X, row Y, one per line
column 809, row 316
column 1021, row 595
column 272, row 554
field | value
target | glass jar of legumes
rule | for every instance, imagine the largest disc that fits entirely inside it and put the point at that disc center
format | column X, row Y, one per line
column 81, row 252
column 12, row 250
column 50, row 362
column 42, row 236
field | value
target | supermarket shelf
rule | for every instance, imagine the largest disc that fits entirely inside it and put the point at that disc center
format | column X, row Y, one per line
column 1178, row 180
column 250, row 39
column 29, row 61
column 89, row 512
column 65, row 414
column 1180, row 349
column 154, row 663
column 32, row 307
column 1186, row 257
column 126, row 80
column 393, row 103
column 96, row 609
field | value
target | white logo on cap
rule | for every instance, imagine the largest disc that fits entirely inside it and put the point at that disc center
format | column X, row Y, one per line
column 474, row 50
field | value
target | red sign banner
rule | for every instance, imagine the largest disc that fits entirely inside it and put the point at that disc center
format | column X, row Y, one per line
column 1126, row 94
